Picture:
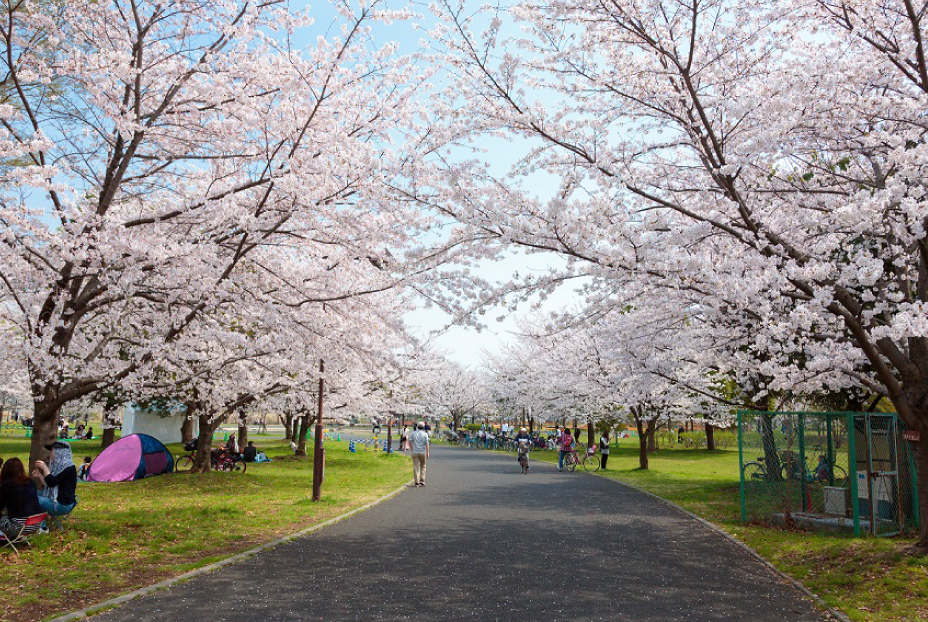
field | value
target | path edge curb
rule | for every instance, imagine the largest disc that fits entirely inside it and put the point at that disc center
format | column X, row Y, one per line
column 796, row 583
column 97, row 608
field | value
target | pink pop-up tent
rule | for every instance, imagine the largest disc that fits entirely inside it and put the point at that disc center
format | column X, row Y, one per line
column 130, row 458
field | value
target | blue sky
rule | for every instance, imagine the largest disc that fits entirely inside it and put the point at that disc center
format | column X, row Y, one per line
column 462, row 344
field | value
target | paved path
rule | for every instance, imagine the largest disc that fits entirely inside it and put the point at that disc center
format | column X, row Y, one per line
column 484, row 543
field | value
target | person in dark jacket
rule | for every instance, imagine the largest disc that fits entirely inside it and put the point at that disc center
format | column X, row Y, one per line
column 250, row 452
column 604, row 449
column 19, row 496
column 58, row 478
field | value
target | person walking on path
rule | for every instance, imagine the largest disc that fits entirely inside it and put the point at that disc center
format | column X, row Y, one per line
column 604, row 449
column 404, row 439
column 419, row 445
column 523, row 443
column 566, row 445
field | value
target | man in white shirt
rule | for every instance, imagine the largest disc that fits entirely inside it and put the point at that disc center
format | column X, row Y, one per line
column 419, row 446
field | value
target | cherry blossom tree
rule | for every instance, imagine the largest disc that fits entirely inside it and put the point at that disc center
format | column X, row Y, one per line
column 767, row 153
column 171, row 168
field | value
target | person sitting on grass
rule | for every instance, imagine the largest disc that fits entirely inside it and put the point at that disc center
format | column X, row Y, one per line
column 58, row 478
column 19, row 497
column 84, row 469
column 251, row 452
column 89, row 435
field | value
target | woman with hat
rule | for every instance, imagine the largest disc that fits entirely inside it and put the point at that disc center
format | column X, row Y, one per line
column 58, row 478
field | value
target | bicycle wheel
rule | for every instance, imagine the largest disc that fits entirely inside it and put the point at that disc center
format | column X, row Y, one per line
column 591, row 463
column 239, row 466
column 840, row 476
column 571, row 462
column 754, row 472
column 183, row 464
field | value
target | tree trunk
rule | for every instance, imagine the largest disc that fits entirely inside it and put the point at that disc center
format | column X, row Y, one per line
column 771, row 457
column 201, row 460
column 652, row 439
column 108, row 437
column 304, row 430
column 44, row 432
column 710, row 436
column 642, row 444
column 186, row 430
column 242, row 436
column 109, row 425
column 531, row 425
column 589, row 433
column 288, row 427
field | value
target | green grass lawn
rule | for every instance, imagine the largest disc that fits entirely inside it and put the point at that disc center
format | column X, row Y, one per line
column 123, row 536
column 870, row 579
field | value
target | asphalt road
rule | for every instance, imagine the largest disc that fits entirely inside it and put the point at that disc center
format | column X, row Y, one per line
column 482, row 542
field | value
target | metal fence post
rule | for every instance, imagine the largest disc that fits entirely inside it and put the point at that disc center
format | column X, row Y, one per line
column 744, row 509
column 852, row 468
column 803, row 485
column 916, row 510
column 830, row 450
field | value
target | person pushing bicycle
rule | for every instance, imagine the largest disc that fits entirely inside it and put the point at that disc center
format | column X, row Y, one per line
column 566, row 446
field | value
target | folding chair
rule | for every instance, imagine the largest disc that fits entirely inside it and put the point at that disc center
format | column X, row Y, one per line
column 30, row 526
column 55, row 521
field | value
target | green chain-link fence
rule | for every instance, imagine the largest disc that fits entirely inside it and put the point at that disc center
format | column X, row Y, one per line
column 840, row 472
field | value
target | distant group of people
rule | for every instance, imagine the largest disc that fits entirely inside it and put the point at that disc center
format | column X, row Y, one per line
column 81, row 433
column 249, row 453
column 564, row 439
column 52, row 487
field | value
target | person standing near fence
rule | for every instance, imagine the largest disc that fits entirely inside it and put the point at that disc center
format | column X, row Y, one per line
column 419, row 446
column 604, row 449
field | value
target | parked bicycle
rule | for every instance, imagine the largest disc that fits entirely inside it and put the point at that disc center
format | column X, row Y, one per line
column 791, row 467
column 590, row 461
column 220, row 460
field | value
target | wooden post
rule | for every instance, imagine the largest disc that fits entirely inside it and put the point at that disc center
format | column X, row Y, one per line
column 318, row 457
column 390, row 432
